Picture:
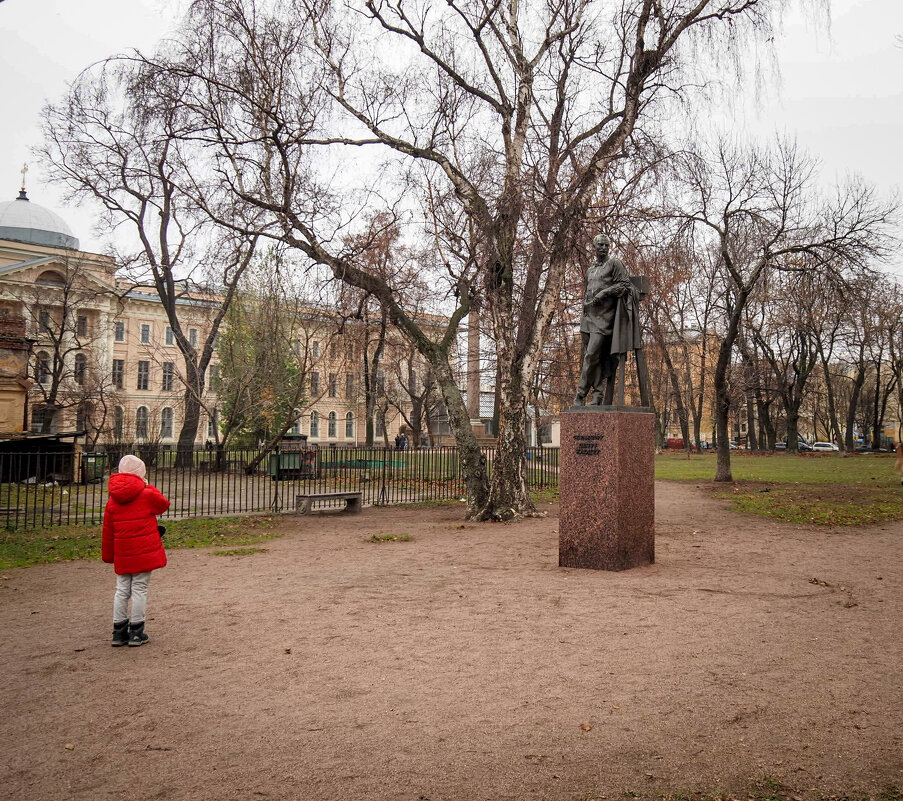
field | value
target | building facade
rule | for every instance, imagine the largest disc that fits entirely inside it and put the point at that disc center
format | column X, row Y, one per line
column 104, row 360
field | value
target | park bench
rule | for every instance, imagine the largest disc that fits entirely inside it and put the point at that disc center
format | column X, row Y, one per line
column 304, row 503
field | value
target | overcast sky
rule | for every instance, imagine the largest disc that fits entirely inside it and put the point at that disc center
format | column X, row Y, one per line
column 841, row 92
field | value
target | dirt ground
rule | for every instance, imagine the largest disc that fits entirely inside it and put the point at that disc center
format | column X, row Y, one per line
column 753, row 658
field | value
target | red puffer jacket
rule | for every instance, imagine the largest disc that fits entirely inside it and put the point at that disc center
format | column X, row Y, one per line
column 130, row 537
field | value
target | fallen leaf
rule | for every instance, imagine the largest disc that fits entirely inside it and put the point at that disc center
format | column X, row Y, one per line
column 586, row 727
column 77, row 650
column 287, row 651
column 69, row 747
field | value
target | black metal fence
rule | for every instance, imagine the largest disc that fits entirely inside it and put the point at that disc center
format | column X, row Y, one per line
column 51, row 489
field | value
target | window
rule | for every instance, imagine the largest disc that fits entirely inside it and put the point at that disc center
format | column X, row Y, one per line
column 314, row 424
column 331, row 425
column 42, row 368
column 166, row 423
column 412, row 381
column 380, row 424
column 141, row 423
column 120, row 331
column 193, row 337
column 296, row 426
column 81, row 325
column 169, row 371
column 118, row 423
column 333, row 385
column 212, row 424
column 380, row 382
column 41, row 416
column 168, row 336
column 44, row 322
column 80, row 417
column 143, row 375
column 145, row 333
column 314, row 384
column 118, row 372
column 213, row 380
column 51, row 278
column 349, row 385
column 315, row 349
column 349, row 426
column 333, row 349
column 81, row 367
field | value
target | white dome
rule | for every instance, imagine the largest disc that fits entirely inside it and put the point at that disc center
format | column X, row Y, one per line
column 24, row 221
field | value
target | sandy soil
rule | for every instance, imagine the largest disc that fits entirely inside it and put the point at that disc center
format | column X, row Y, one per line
column 465, row 664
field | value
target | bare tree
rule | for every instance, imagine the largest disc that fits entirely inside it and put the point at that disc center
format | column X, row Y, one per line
column 66, row 320
column 113, row 140
column 761, row 211
column 518, row 108
column 788, row 341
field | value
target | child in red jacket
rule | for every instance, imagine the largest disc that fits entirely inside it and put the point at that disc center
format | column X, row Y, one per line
column 133, row 543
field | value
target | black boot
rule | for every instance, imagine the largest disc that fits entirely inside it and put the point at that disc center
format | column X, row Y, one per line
column 120, row 634
column 136, row 634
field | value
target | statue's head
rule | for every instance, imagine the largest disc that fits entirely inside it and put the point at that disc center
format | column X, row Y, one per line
column 601, row 244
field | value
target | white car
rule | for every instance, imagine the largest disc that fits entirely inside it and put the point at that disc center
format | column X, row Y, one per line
column 824, row 446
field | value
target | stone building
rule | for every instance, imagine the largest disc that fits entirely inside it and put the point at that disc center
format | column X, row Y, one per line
column 104, row 360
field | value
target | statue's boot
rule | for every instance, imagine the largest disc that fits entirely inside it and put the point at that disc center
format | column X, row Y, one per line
column 579, row 399
column 595, row 399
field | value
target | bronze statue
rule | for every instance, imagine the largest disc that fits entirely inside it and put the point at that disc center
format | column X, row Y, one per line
column 610, row 329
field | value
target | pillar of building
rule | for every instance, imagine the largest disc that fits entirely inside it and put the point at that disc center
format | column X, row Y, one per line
column 473, row 369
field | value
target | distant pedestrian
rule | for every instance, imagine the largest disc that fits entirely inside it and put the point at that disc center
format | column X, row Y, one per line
column 404, row 441
column 133, row 542
column 398, row 442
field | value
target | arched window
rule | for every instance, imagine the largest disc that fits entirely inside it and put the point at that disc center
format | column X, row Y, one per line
column 118, row 423
column 349, row 426
column 141, row 423
column 50, row 278
column 81, row 367
column 314, row 424
column 166, row 423
column 42, row 368
column 332, row 425
column 380, row 424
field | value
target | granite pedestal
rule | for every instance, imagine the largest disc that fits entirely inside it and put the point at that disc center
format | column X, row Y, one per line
column 606, row 479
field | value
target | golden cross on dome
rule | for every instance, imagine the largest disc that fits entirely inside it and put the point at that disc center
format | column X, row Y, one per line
column 23, row 171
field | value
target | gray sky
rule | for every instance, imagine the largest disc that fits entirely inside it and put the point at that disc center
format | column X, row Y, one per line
column 841, row 93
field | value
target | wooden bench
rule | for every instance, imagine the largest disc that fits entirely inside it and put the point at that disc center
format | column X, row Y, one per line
column 304, row 503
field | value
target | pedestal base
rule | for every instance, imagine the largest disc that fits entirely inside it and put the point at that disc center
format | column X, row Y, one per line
column 607, row 481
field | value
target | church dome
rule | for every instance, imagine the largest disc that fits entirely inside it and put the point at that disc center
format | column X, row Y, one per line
column 24, row 221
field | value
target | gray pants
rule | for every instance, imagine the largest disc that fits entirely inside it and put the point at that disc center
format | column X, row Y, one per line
column 134, row 586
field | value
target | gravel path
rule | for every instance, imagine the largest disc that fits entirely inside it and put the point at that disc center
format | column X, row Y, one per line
column 465, row 664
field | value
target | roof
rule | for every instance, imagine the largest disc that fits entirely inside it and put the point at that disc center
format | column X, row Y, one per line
column 24, row 221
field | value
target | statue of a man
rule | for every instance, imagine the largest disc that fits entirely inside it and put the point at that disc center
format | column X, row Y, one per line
column 610, row 325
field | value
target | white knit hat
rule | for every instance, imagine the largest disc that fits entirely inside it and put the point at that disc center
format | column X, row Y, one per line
column 132, row 464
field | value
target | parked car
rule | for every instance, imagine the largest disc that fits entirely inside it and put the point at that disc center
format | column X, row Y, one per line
column 801, row 447
column 824, row 446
